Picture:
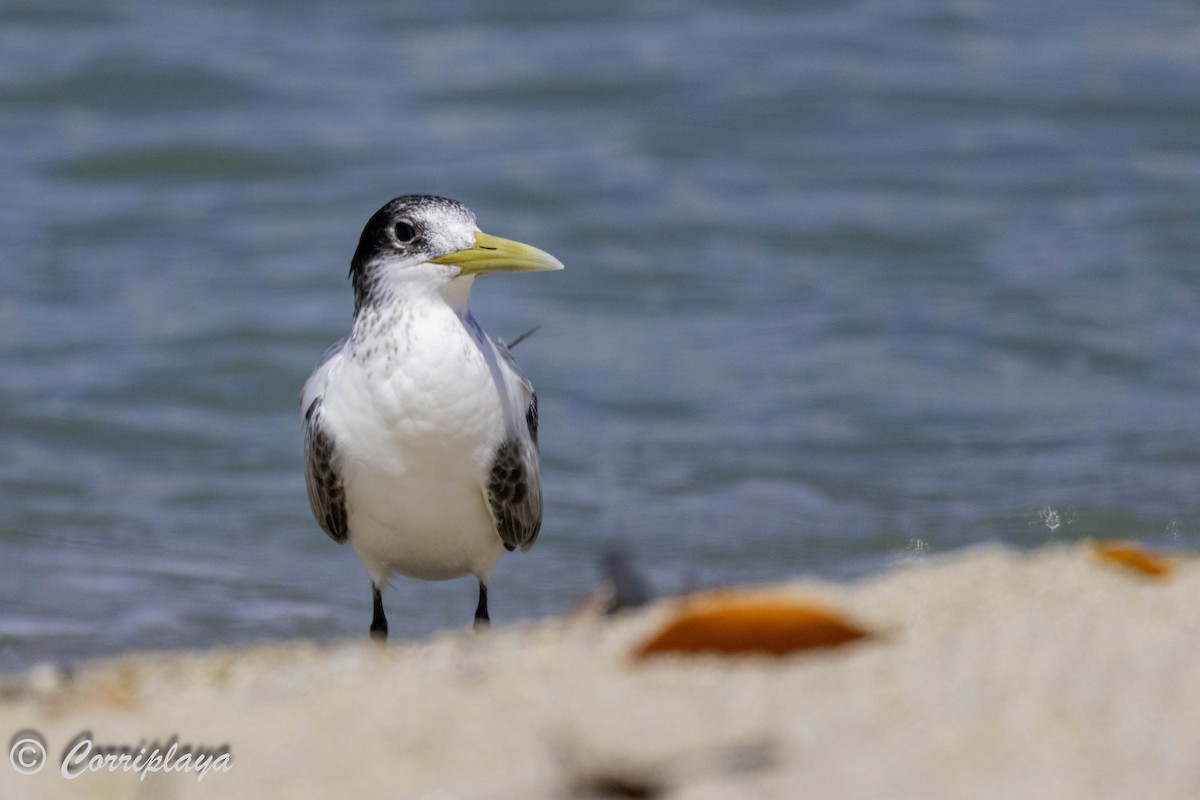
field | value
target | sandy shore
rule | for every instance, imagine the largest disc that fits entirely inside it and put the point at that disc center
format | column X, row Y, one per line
column 992, row 675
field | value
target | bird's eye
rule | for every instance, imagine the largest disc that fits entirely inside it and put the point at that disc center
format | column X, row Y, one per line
column 405, row 232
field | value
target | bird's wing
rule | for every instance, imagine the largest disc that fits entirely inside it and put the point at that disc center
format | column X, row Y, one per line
column 514, row 487
column 326, row 494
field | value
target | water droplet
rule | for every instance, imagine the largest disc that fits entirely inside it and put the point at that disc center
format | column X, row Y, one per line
column 1050, row 518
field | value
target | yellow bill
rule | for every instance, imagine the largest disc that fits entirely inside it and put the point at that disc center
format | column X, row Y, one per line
column 493, row 254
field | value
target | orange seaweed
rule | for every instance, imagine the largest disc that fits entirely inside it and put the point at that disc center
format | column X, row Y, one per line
column 732, row 624
column 1131, row 555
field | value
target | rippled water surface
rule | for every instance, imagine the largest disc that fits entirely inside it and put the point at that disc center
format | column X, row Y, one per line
column 846, row 283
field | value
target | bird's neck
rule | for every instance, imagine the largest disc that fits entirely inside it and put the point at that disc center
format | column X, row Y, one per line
column 398, row 310
column 457, row 293
column 380, row 286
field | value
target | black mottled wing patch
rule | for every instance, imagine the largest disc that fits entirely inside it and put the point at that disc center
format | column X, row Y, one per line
column 514, row 493
column 326, row 495
column 531, row 419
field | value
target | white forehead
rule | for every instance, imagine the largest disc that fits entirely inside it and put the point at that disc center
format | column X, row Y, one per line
column 447, row 226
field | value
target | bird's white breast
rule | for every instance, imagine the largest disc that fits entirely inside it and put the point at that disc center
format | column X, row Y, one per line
column 416, row 419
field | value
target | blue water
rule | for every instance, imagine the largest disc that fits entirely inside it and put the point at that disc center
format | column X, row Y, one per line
column 846, row 283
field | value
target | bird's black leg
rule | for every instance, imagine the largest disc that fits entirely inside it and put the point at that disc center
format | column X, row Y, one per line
column 482, row 621
column 378, row 620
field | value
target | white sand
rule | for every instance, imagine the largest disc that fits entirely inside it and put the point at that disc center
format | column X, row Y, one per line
column 998, row 675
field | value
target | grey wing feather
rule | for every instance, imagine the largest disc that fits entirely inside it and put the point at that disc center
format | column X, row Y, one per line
column 326, row 495
column 514, row 489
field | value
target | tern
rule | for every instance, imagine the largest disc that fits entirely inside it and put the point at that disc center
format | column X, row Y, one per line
column 420, row 430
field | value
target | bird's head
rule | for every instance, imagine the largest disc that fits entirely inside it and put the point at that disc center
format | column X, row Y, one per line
column 423, row 241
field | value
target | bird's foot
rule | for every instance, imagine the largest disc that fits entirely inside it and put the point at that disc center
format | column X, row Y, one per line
column 482, row 620
column 378, row 618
